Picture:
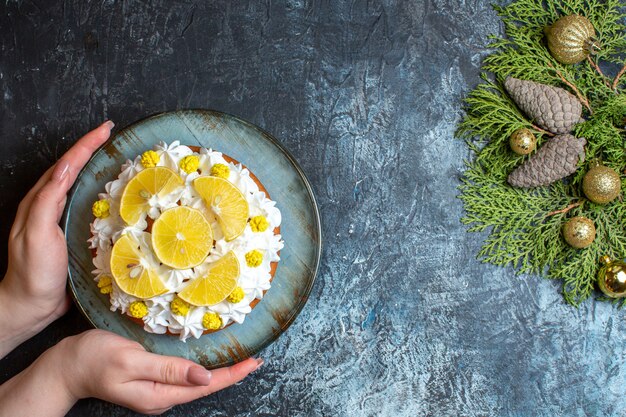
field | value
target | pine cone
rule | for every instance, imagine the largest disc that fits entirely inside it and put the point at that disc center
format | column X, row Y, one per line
column 556, row 159
column 551, row 108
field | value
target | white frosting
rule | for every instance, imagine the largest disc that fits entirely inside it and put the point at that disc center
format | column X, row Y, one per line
column 189, row 325
column 253, row 281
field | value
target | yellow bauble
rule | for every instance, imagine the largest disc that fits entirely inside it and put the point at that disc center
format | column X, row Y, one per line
column 601, row 184
column 579, row 232
column 612, row 278
column 571, row 39
column 523, row 141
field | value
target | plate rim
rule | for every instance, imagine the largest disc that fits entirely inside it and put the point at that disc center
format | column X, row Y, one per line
column 302, row 299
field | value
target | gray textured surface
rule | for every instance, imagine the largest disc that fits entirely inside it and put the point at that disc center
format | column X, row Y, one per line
column 403, row 320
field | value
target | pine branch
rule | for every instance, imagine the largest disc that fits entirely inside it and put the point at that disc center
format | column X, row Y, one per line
column 545, row 132
column 617, row 77
column 565, row 210
column 571, row 85
column 524, row 225
column 599, row 71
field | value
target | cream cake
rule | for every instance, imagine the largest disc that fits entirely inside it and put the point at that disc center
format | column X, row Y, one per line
column 185, row 240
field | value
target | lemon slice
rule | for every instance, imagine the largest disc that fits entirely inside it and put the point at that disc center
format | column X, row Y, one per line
column 133, row 277
column 147, row 183
column 182, row 237
column 219, row 282
column 227, row 202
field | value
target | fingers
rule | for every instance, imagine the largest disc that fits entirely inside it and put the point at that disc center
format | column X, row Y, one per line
column 44, row 209
column 79, row 154
column 169, row 370
column 225, row 377
column 24, row 207
column 161, row 396
column 60, row 207
column 47, row 197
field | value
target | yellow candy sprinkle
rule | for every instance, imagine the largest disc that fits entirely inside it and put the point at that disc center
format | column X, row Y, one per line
column 150, row 159
column 100, row 209
column 259, row 224
column 179, row 307
column 236, row 296
column 220, row 170
column 189, row 164
column 105, row 284
column 254, row 258
column 105, row 281
column 138, row 309
column 211, row 321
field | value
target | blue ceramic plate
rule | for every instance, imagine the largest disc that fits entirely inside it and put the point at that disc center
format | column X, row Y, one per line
column 286, row 184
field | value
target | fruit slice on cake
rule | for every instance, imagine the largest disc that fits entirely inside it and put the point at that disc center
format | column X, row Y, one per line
column 219, row 281
column 182, row 237
column 155, row 181
column 227, row 202
column 131, row 272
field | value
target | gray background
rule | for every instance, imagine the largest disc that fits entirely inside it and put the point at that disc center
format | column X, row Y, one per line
column 402, row 319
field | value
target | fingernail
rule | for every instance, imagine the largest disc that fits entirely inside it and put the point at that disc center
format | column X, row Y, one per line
column 109, row 124
column 259, row 363
column 60, row 171
column 198, row 376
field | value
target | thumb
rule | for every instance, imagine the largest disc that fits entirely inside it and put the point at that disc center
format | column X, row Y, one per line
column 47, row 202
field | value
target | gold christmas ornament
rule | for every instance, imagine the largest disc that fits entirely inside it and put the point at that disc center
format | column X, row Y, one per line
column 523, row 141
column 601, row 184
column 612, row 278
column 571, row 39
column 579, row 232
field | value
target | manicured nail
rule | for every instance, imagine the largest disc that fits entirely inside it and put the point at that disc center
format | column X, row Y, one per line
column 60, row 171
column 109, row 124
column 259, row 363
column 198, row 376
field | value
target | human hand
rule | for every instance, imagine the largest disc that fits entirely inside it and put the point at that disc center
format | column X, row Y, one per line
column 103, row 365
column 32, row 293
column 107, row 366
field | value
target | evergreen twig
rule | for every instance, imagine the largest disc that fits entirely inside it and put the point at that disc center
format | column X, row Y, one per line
column 566, row 209
column 571, row 85
column 617, row 77
column 599, row 70
column 524, row 225
column 545, row 132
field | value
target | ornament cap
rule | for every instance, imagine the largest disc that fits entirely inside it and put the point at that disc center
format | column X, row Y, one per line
column 592, row 45
column 606, row 259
